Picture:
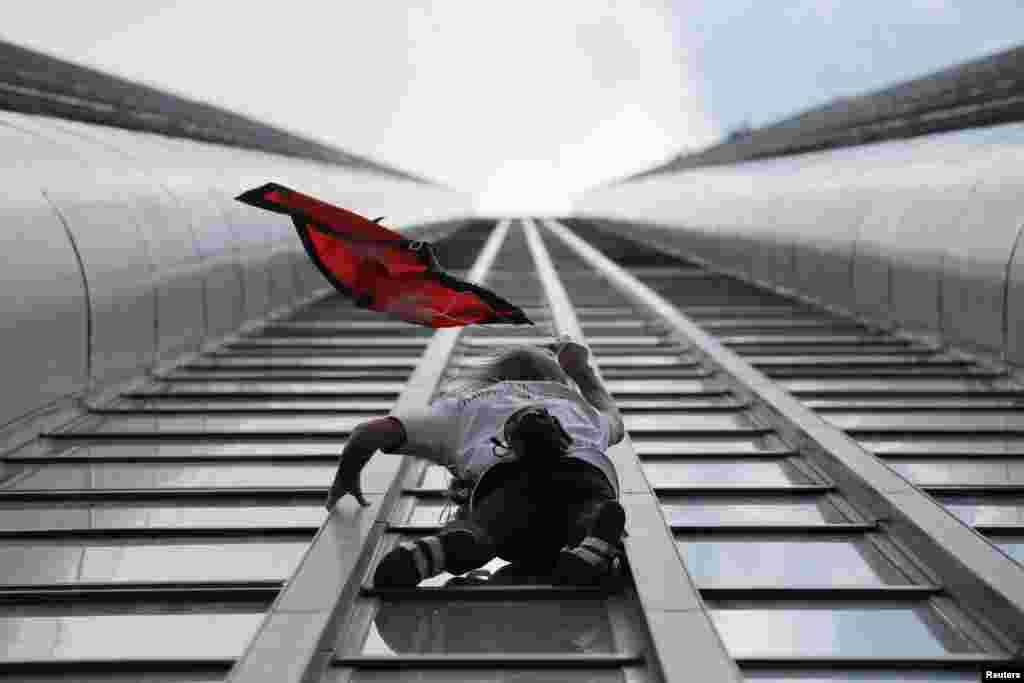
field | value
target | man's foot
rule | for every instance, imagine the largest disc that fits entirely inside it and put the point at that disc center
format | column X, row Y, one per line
column 598, row 556
column 413, row 561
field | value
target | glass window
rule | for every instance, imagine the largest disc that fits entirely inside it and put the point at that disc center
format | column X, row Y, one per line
column 152, row 476
column 478, row 627
column 672, row 403
column 702, row 444
column 978, row 510
column 936, row 385
column 658, row 386
column 982, row 444
column 647, row 360
column 957, row 472
column 304, row 362
column 214, row 423
column 45, row 562
column 130, row 677
column 661, row 422
column 853, row 630
column 30, row 517
column 430, row 513
column 917, row 676
column 707, row 472
column 1012, row 546
column 924, row 420
column 714, row 511
column 408, row 674
column 234, row 405
column 389, row 372
column 124, row 637
column 284, row 388
column 155, row 450
column 436, row 477
column 786, row 561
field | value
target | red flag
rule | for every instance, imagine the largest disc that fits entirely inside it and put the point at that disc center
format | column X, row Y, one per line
column 380, row 269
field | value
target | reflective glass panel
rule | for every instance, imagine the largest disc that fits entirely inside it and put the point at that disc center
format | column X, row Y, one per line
column 389, row 372
column 430, row 513
column 44, row 562
column 978, row 510
column 476, row 626
column 942, row 421
column 303, row 363
column 655, row 386
column 143, row 451
column 284, row 388
column 774, row 510
column 931, row 384
column 214, row 423
column 1014, row 547
column 786, row 562
column 685, row 420
column 233, row 405
column 29, row 517
column 724, row 473
column 409, row 674
column 153, row 476
column 861, row 676
column 130, row 677
column 126, row 637
column 983, row 444
column 170, row 451
column 668, row 446
column 436, row 477
column 881, row 630
column 647, row 360
column 942, row 472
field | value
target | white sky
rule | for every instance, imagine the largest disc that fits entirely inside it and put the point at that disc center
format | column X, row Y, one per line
column 519, row 103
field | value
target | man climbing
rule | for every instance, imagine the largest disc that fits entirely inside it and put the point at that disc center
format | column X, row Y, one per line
column 530, row 450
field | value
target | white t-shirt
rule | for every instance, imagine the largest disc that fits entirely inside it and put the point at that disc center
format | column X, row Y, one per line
column 456, row 432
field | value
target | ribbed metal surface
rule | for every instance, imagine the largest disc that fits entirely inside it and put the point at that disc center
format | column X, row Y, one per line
column 146, row 540
column 770, row 539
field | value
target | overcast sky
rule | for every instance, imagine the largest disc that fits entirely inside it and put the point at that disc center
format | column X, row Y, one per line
column 519, row 103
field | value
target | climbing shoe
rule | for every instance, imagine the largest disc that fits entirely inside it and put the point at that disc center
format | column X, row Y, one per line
column 598, row 556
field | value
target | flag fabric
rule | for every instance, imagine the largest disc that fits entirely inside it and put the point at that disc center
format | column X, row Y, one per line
column 380, row 269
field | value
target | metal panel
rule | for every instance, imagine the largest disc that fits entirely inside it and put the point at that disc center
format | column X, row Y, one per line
column 104, row 219
column 919, row 232
column 167, row 229
column 45, row 312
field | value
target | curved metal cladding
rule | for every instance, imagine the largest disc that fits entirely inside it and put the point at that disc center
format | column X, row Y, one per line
column 123, row 248
column 924, row 233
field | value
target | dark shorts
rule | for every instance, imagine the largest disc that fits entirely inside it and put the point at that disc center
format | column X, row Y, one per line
column 532, row 515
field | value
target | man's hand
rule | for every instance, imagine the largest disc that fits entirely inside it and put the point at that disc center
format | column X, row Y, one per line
column 363, row 442
column 571, row 355
column 347, row 481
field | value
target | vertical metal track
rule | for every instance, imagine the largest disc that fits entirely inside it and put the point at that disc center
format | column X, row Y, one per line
column 672, row 606
column 328, row 578
column 886, row 558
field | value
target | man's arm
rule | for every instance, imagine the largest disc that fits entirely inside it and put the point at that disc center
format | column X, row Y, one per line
column 574, row 359
column 366, row 439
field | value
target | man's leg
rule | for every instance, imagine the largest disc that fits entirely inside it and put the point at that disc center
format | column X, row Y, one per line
column 498, row 516
column 596, row 523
